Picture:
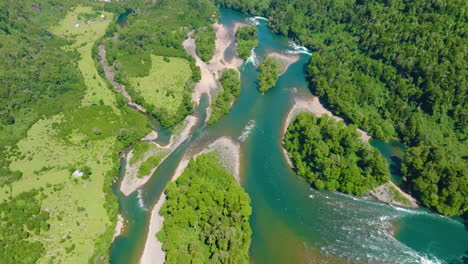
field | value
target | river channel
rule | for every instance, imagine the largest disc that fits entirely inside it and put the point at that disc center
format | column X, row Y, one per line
column 291, row 222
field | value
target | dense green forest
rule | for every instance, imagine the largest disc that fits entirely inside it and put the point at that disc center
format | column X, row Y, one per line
column 231, row 85
column 331, row 156
column 206, row 216
column 131, row 51
column 246, row 40
column 21, row 217
column 37, row 77
column 205, row 42
column 269, row 73
column 394, row 68
column 45, row 100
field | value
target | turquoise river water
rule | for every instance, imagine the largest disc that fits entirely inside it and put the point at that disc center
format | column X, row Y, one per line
column 291, row 222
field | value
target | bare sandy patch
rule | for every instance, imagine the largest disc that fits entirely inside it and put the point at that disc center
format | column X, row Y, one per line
column 229, row 152
column 119, row 227
column 384, row 194
column 284, row 59
column 131, row 182
column 311, row 104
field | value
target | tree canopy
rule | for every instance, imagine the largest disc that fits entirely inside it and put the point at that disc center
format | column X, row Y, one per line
column 230, row 82
column 394, row 68
column 331, row 156
column 246, row 38
column 206, row 216
column 269, row 72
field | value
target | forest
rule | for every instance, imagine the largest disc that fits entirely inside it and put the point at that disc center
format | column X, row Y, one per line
column 269, row 73
column 130, row 53
column 331, row 156
column 246, row 40
column 37, row 77
column 205, row 42
column 231, row 88
column 393, row 68
column 206, row 216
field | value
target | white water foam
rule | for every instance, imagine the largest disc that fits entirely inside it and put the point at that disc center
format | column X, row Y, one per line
column 260, row 18
column 252, row 21
column 298, row 49
column 247, row 130
column 141, row 204
column 253, row 58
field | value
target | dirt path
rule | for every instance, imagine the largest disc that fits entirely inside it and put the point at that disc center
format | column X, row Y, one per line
column 110, row 75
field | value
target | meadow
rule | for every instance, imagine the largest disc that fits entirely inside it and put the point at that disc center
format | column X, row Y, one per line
column 82, row 210
column 164, row 89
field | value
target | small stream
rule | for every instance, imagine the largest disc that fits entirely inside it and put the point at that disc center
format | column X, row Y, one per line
column 291, row 222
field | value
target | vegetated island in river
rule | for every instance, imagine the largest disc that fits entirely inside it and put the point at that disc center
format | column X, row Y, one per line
column 207, row 195
column 371, row 70
column 333, row 156
column 219, row 67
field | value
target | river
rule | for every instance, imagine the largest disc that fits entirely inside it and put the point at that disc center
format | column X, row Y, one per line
column 291, row 222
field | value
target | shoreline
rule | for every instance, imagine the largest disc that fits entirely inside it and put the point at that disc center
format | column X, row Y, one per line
column 229, row 152
column 311, row 104
column 383, row 194
column 211, row 71
column 131, row 183
column 119, row 227
column 284, row 59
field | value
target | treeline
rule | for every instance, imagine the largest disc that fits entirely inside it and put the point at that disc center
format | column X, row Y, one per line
column 269, row 73
column 331, row 155
column 206, row 216
column 205, row 42
column 230, row 82
column 246, row 40
column 158, row 29
column 38, row 78
column 394, row 68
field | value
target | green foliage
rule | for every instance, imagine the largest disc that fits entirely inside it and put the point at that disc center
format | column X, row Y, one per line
column 246, row 38
column 159, row 29
column 397, row 196
column 149, row 164
column 21, row 218
column 37, row 76
column 205, row 42
column 139, row 150
column 230, row 82
column 438, row 178
column 331, row 156
column 206, row 216
column 394, row 68
column 269, row 73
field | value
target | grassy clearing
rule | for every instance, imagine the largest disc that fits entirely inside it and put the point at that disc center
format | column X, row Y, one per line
column 81, row 210
column 150, row 163
column 139, row 151
column 164, row 88
column 85, row 33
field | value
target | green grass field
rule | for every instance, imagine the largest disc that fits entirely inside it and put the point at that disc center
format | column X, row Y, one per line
column 84, row 36
column 90, row 136
column 164, row 87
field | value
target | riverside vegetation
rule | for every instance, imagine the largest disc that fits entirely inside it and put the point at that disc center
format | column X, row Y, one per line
column 230, row 82
column 395, row 69
column 268, row 76
column 59, row 116
column 206, row 215
column 132, row 52
column 246, row 40
column 205, row 42
column 331, row 156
